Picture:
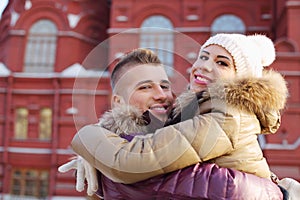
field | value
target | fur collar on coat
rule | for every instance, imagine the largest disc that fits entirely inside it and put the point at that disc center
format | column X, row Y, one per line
column 124, row 119
column 261, row 96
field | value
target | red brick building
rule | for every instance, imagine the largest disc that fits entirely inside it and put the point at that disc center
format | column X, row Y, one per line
column 53, row 53
column 43, row 44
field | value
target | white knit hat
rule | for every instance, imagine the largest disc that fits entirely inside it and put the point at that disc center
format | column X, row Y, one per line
column 250, row 53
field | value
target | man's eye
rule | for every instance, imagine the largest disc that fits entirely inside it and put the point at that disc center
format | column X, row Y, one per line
column 144, row 87
column 165, row 86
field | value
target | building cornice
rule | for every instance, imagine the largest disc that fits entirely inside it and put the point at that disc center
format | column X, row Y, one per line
column 293, row 3
column 31, row 150
column 73, row 34
column 60, row 91
column 202, row 29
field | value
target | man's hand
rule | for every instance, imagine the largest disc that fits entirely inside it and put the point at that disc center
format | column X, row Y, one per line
column 84, row 171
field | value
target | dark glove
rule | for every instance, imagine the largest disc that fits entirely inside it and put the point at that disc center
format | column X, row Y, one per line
column 152, row 122
column 189, row 111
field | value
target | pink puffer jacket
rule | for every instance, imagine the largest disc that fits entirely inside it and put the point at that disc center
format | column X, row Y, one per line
column 201, row 181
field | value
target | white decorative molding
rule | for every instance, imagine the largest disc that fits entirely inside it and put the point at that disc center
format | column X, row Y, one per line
column 193, row 29
column 72, row 111
column 17, row 32
column 25, row 150
column 192, row 17
column 73, row 20
column 266, row 16
column 292, row 3
column 122, row 18
column 258, row 28
column 14, row 18
column 78, row 36
column 290, row 73
column 28, row 4
column 191, row 55
column 178, row 29
column 277, row 146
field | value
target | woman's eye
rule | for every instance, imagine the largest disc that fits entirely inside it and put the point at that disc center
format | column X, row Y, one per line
column 202, row 57
column 222, row 63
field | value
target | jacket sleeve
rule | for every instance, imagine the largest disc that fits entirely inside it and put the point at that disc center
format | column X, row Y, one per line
column 168, row 149
column 128, row 162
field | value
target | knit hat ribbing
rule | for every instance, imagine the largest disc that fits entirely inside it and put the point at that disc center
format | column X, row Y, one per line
column 250, row 53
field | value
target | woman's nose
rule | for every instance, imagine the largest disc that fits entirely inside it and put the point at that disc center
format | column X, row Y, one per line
column 203, row 66
column 207, row 67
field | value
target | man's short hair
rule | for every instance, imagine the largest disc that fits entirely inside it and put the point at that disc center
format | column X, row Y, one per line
column 135, row 57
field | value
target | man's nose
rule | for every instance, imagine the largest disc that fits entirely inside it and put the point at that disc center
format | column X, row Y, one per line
column 159, row 93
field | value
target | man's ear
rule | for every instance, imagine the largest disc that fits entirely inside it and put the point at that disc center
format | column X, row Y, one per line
column 117, row 100
column 174, row 95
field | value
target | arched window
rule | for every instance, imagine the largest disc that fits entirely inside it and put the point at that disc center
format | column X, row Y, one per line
column 228, row 24
column 41, row 47
column 157, row 35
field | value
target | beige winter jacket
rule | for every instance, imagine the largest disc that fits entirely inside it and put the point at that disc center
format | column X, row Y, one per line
column 225, row 132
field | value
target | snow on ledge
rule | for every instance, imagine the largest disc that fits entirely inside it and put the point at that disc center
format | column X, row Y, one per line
column 3, row 70
column 77, row 70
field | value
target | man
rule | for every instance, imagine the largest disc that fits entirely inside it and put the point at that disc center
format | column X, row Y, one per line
column 139, row 80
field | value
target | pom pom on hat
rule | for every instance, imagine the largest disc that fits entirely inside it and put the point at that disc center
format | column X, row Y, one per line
column 250, row 53
column 267, row 49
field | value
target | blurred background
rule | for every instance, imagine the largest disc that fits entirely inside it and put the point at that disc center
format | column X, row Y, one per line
column 55, row 63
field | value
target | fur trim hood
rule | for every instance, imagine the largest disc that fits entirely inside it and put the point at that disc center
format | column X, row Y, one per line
column 253, row 94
